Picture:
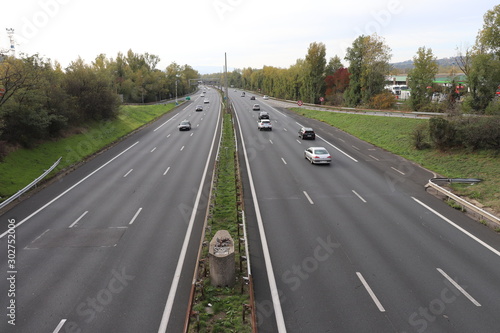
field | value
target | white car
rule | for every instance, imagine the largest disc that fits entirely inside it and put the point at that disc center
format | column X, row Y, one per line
column 256, row 107
column 317, row 155
column 266, row 97
column 264, row 125
column 206, row 101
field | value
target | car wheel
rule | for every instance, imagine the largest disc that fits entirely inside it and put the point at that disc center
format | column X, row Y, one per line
column 311, row 160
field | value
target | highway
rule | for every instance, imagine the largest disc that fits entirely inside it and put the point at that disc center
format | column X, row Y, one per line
column 357, row 246
column 111, row 246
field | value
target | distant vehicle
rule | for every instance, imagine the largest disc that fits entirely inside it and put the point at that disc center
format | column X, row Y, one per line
column 266, row 97
column 307, row 133
column 206, row 101
column 185, row 125
column 396, row 89
column 263, row 115
column 252, row 98
column 264, row 125
column 317, row 155
column 256, row 107
column 242, row 94
column 199, row 108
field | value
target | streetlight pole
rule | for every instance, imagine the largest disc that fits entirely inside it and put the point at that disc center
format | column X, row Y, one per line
column 176, row 92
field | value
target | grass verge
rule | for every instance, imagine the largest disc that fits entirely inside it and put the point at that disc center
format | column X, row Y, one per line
column 22, row 166
column 394, row 134
column 220, row 309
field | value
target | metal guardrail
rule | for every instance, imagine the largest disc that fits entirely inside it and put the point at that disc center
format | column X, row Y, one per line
column 481, row 212
column 30, row 185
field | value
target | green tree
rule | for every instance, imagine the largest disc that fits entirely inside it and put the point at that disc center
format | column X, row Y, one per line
column 334, row 64
column 483, row 81
column 421, row 77
column 314, row 81
column 35, row 107
column 488, row 39
column 368, row 64
column 92, row 94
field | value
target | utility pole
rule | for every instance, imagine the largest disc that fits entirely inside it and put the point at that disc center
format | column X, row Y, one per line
column 10, row 33
column 225, row 83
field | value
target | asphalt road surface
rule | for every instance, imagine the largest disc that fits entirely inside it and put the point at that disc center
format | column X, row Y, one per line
column 111, row 247
column 357, row 246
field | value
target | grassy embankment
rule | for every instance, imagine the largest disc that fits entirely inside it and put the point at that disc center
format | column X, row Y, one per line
column 394, row 135
column 22, row 166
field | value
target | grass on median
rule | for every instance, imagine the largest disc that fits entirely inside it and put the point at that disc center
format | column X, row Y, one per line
column 394, row 134
column 220, row 309
column 22, row 166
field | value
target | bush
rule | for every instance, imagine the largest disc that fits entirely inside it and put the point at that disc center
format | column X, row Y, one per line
column 442, row 133
column 434, row 107
column 473, row 133
column 384, row 100
column 420, row 136
column 493, row 108
column 3, row 150
column 335, row 99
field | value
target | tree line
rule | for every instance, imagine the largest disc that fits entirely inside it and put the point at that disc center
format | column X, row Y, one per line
column 39, row 99
column 361, row 82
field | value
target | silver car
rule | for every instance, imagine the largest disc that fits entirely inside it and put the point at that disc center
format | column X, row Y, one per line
column 317, row 155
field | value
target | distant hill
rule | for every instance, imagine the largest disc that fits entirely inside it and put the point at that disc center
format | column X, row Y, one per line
column 408, row 64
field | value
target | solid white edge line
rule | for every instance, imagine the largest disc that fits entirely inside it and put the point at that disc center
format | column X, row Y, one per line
column 308, row 198
column 78, row 219
column 135, row 216
column 401, row 172
column 58, row 328
column 340, row 150
column 360, row 197
column 278, row 312
column 69, row 189
column 165, row 123
column 331, row 144
column 177, row 275
column 462, row 290
column 370, row 291
column 459, row 228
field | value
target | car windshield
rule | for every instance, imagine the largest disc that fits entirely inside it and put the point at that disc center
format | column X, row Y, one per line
column 320, row 151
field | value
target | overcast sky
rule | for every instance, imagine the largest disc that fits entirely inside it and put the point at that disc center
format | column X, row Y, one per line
column 253, row 33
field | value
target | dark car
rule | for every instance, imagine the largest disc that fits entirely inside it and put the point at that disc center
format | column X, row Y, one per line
column 252, row 98
column 185, row 125
column 263, row 115
column 307, row 133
